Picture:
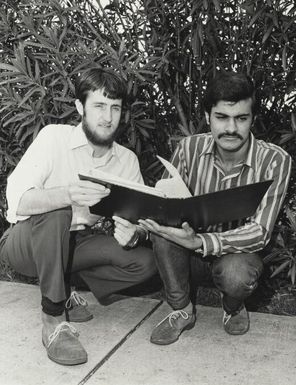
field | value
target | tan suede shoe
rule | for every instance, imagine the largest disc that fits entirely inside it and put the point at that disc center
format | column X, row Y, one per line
column 171, row 327
column 76, row 308
column 63, row 346
column 237, row 323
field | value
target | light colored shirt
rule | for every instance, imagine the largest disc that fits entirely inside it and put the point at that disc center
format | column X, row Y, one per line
column 55, row 158
column 196, row 160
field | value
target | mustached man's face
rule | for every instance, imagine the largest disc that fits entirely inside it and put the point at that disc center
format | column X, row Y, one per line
column 100, row 117
column 230, row 125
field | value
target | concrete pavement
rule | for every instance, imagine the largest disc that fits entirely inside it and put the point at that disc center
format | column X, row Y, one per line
column 117, row 342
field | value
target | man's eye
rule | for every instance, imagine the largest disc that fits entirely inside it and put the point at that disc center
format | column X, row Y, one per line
column 242, row 119
column 221, row 117
column 116, row 108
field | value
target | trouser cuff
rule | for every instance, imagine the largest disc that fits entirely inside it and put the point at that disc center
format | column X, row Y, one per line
column 179, row 306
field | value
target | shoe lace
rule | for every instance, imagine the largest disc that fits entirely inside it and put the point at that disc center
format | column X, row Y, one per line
column 174, row 315
column 61, row 327
column 75, row 299
column 226, row 317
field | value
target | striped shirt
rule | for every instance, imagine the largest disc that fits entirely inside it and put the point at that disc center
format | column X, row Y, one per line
column 201, row 170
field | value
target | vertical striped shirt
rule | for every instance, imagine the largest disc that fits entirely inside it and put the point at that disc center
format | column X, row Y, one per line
column 201, row 170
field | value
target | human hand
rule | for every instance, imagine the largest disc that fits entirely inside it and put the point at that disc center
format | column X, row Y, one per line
column 184, row 236
column 86, row 193
column 125, row 232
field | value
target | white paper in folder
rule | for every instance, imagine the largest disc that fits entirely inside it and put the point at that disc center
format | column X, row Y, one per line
column 173, row 187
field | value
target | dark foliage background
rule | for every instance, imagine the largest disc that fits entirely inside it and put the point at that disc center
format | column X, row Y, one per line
column 167, row 51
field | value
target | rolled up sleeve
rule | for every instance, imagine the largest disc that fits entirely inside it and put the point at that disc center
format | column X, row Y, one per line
column 256, row 233
column 31, row 172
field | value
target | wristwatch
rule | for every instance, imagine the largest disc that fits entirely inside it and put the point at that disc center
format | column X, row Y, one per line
column 134, row 241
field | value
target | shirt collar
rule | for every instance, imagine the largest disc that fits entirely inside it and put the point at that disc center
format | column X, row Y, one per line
column 79, row 139
column 251, row 156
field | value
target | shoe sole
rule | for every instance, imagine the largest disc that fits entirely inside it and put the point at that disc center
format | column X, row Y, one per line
column 64, row 362
column 188, row 327
column 85, row 319
column 237, row 333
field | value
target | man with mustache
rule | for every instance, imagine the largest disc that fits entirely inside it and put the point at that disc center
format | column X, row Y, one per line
column 228, row 254
column 54, row 232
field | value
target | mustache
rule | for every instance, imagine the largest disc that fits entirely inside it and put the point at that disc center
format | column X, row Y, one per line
column 233, row 135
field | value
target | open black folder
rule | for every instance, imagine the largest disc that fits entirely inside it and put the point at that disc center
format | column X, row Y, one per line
column 199, row 211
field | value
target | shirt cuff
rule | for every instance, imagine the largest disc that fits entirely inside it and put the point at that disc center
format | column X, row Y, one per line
column 212, row 244
column 13, row 199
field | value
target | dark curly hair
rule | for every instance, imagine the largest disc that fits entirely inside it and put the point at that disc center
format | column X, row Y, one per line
column 231, row 87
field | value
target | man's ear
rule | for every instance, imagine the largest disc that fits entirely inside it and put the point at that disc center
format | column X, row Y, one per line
column 207, row 117
column 79, row 107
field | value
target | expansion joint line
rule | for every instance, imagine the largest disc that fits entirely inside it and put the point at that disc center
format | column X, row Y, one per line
column 118, row 345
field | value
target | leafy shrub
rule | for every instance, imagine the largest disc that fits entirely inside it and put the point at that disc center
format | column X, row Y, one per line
column 167, row 51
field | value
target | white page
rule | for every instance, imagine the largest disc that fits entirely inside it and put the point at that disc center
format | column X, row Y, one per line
column 173, row 187
column 117, row 180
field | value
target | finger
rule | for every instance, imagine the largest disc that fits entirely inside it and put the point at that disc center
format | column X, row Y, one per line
column 91, row 186
column 128, row 231
column 123, row 231
column 118, row 239
column 121, row 239
column 163, row 231
column 83, row 203
column 149, row 226
column 122, row 221
column 150, row 223
column 187, row 228
column 88, row 196
column 102, row 192
column 86, row 200
column 168, row 230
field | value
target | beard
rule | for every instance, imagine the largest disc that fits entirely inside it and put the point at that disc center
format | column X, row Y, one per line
column 95, row 138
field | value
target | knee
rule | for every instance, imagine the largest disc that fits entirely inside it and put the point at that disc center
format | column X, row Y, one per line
column 163, row 247
column 158, row 242
column 147, row 263
column 144, row 265
column 60, row 218
column 237, row 274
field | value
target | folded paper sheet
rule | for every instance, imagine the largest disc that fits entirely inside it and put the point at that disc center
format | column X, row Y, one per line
column 173, row 187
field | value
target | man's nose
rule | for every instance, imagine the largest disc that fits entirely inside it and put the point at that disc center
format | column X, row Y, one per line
column 231, row 126
column 107, row 114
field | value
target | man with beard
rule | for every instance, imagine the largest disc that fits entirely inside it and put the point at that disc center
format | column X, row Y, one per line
column 53, row 232
column 226, row 254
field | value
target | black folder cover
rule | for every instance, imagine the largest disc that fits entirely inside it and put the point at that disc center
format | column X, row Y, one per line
column 199, row 211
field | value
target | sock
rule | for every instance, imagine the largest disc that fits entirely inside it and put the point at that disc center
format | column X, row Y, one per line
column 52, row 308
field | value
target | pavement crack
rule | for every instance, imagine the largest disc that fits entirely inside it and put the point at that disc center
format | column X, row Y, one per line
column 119, row 344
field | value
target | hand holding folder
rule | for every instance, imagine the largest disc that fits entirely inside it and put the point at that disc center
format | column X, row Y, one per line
column 134, row 201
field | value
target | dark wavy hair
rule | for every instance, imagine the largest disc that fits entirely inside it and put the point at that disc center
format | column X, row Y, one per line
column 231, row 87
column 112, row 83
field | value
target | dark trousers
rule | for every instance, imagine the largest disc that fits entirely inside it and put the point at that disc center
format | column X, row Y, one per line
column 39, row 246
column 235, row 275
